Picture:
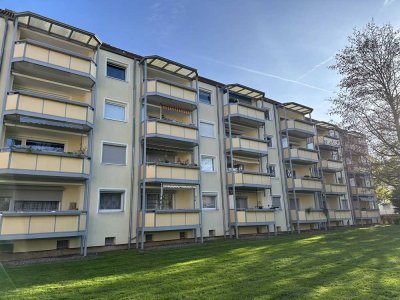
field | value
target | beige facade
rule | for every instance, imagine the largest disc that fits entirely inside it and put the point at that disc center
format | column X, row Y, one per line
column 102, row 147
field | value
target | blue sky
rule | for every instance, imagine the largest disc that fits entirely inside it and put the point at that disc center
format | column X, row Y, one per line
column 280, row 47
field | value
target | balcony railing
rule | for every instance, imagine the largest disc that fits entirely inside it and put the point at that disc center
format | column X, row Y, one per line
column 362, row 191
column 246, row 114
column 250, row 180
column 325, row 142
column 167, row 172
column 60, row 59
column 247, row 146
column 340, row 214
column 253, row 216
column 301, row 155
column 331, row 165
column 308, row 216
column 305, row 184
column 51, row 108
column 31, row 162
column 31, row 225
column 335, row 188
column 298, row 128
column 168, row 92
column 167, row 130
column 366, row 213
column 159, row 220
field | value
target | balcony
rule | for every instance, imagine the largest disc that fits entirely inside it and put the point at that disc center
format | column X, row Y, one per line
column 245, row 114
column 356, row 169
column 362, row 191
column 331, row 166
column 247, row 146
column 169, row 133
column 26, row 162
column 48, row 111
column 335, row 189
column 52, row 63
column 164, row 92
column 171, row 173
column 366, row 213
column 308, row 216
column 328, row 143
column 298, row 128
column 304, row 184
column 250, row 180
column 301, row 156
column 176, row 219
column 339, row 214
column 37, row 225
column 253, row 217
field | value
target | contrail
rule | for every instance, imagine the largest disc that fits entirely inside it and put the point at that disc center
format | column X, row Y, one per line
column 315, row 67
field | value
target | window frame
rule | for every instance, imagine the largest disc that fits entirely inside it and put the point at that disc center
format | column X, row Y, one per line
column 211, row 96
column 111, row 190
column 213, row 162
column 117, row 64
column 272, row 141
column 209, row 123
column 213, row 194
column 275, row 173
column 280, row 201
column 113, row 144
column 116, row 103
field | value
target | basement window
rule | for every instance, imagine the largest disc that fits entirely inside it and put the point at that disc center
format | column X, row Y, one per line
column 109, row 241
column 62, row 244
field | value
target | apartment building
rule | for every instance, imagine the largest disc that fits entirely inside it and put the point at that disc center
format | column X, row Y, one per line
column 104, row 147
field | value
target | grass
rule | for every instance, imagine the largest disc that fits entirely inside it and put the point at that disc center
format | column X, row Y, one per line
column 358, row 263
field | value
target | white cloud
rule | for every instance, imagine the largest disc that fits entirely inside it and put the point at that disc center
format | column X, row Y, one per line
column 315, row 67
column 387, row 2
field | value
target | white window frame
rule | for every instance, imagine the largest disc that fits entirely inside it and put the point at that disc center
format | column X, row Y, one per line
column 213, row 159
column 213, row 193
column 107, row 211
column 276, row 171
column 272, row 141
column 117, row 103
column 118, row 64
column 115, row 144
column 211, row 95
column 280, row 201
column 210, row 123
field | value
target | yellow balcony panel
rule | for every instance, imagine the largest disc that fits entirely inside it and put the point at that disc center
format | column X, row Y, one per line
column 163, row 92
column 331, row 166
column 362, row 191
column 308, row 216
column 167, row 220
column 168, row 133
column 247, row 146
column 340, row 214
column 335, row 189
column 252, row 217
column 24, row 162
column 298, row 128
column 301, row 156
column 366, row 213
column 52, row 63
column 172, row 173
column 304, row 184
column 328, row 143
column 244, row 114
column 250, row 180
column 35, row 225
column 48, row 111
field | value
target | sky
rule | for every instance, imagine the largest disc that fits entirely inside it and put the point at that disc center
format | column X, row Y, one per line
column 282, row 47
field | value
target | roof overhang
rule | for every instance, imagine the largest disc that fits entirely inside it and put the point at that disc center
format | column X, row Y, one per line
column 298, row 107
column 244, row 91
column 58, row 29
column 170, row 66
column 325, row 125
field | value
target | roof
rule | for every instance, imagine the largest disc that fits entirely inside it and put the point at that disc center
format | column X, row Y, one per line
column 298, row 107
column 325, row 125
column 245, row 91
column 119, row 51
column 167, row 65
column 58, row 29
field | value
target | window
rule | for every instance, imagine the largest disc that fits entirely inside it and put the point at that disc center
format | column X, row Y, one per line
column 36, row 205
column 114, row 111
column 271, row 170
column 345, row 204
column 62, row 244
column 109, row 241
column 241, row 202
column 113, row 154
column 154, row 200
column 10, row 142
column 267, row 115
column 205, row 97
column 285, row 142
column 116, row 71
column 207, row 164
column 276, row 201
column 268, row 139
column 209, row 200
column 111, row 201
column 4, row 204
column 45, row 146
column 207, row 129
column 292, row 204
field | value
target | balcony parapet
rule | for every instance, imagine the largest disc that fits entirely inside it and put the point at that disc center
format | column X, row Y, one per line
column 252, row 216
column 171, row 219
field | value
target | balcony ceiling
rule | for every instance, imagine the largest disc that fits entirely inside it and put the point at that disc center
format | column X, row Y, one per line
column 245, row 91
column 325, row 125
column 298, row 107
column 58, row 29
column 166, row 65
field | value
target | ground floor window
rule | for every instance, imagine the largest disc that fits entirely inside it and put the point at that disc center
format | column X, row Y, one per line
column 241, row 202
column 111, row 201
column 209, row 200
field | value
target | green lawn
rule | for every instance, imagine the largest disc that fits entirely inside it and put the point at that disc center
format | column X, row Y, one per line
column 358, row 263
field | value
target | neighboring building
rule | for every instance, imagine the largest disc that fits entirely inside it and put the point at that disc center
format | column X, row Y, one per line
column 102, row 147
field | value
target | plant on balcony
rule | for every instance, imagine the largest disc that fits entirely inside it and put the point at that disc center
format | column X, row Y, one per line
column 309, row 210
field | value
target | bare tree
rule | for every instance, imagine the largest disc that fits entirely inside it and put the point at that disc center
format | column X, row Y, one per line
column 368, row 100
